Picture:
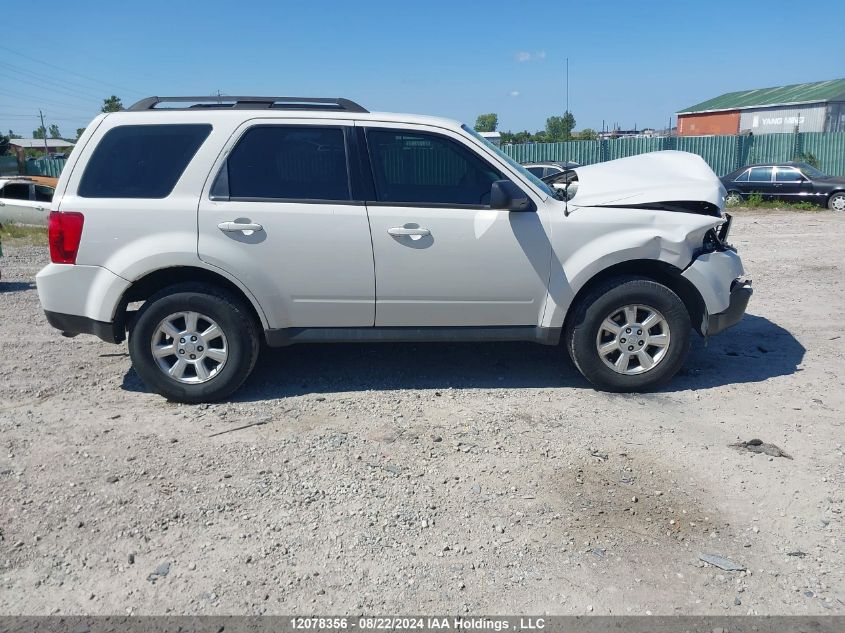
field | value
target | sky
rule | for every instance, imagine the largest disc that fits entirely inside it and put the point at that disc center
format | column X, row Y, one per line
column 630, row 63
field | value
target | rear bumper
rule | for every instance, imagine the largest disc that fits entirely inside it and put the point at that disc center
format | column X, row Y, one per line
column 741, row 292
column 73, row 324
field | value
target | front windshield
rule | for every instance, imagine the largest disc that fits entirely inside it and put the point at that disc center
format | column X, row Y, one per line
column 811, row 172
column 510, row 161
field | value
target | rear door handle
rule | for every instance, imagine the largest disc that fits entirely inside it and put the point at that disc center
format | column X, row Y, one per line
column 401, row 230
column 231, row 227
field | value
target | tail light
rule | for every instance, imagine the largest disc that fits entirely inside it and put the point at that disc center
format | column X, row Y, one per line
column 64, row 233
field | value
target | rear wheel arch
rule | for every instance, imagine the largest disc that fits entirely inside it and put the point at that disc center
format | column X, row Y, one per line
column 155, row 281
column 655, row 270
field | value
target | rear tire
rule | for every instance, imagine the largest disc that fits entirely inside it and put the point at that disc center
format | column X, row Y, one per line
column 194, row 343
column 629, row 334
column 734, row 198
column 836, row 202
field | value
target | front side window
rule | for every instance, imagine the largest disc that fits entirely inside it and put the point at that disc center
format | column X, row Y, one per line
column 420, row 168
column 537, row 171
column 788, row 174
column 760, row 174
column 15, row 191
column 287, row 163
column 141, row 161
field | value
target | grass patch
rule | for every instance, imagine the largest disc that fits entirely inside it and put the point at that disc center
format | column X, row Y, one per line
column 755, row 201
column 19, row 233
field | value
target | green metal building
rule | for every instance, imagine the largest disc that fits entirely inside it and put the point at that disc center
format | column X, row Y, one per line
column 809, row 107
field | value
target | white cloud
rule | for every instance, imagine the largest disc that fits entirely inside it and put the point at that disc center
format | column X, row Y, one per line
column 514, row 93
column 525, row 56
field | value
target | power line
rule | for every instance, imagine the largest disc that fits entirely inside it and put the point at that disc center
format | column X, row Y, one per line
column 43, row 63
column 69, row 85
column 47, row 86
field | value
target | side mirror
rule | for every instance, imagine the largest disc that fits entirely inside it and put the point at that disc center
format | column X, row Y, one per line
column 506, row 195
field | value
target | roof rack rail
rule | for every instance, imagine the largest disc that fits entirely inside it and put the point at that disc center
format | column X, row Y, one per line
column 250, row 103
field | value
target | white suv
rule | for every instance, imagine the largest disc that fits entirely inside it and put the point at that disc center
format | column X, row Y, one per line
column 313, row 220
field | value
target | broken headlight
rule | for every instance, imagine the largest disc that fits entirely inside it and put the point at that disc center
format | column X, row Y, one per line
column 717, row 239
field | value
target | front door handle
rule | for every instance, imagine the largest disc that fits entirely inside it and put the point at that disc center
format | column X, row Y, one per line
column 401, row 230
column 231, row 227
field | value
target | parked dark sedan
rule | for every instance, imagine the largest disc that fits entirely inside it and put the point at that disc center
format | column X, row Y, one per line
column 790, row 182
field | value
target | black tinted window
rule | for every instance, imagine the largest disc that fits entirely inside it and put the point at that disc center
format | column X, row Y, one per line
column 43, row 194
column 141, row 161
column 288, row 162
column 15, row 191
column 743, row 177
column 760, row 174
column 787, row 174
column 424, row 168
column 537, row 171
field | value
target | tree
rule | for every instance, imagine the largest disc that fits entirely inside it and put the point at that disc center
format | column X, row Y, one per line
column 4, row 144
column 559, row 128
column 587, row 134
column 79, row 132
column 54, row 131
column 41, row 132
column 112, row 104
column 13, row 135
column 487, row 122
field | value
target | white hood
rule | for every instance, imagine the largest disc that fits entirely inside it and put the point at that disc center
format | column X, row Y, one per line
column 668, row 176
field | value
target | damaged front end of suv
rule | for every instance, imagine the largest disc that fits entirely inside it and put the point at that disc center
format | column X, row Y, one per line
column 659, row 214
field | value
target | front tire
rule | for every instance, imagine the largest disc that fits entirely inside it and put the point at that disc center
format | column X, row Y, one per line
column 733, row 199
column 836, row 202
column 194, row 343
column 629, row 334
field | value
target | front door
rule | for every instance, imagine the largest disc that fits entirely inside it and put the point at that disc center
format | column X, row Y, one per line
column 791, row 186
column 280, row 218
column 442, row 256
column 17, row 204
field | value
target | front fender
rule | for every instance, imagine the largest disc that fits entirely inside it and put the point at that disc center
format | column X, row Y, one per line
column 592, row 240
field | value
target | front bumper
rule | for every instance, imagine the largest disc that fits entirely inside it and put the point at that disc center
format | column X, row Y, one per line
column 741, row 292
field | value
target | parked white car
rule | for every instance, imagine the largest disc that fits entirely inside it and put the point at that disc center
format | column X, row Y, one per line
column 23, row 201
column 314, row 220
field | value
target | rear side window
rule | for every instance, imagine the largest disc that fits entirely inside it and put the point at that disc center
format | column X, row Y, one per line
column 286, row 163
column 141, row 161
column 421, row 168
column 43, row 194
column 760, row 174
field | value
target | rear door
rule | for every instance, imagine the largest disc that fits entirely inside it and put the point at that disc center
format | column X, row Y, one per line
column 278, row 214
column 443, row 257
column 761, row 180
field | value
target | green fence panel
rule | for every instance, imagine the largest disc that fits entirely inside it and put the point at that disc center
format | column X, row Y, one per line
column 624, row 147
column 828, row 149
column 8, row 166
column 770, row 148
column 45, row 167
column 720, row 152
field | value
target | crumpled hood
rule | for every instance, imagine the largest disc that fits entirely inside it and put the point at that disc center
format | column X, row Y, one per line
column 646, row 179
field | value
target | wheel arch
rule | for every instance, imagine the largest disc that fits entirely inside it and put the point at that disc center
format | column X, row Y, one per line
column 154, row 281
column 656, row 270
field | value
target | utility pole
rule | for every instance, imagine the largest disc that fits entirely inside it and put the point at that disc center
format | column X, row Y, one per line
column 46, row 148
column 567, row 84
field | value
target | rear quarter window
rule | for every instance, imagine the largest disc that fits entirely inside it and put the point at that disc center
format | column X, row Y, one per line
column 141, row 161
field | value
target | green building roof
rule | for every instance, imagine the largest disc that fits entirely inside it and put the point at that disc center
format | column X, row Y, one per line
column 832, row 90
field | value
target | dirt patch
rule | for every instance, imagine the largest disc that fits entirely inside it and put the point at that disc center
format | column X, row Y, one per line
column 436, row 478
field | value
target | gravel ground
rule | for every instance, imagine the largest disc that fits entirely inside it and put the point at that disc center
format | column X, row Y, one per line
column 436, row 478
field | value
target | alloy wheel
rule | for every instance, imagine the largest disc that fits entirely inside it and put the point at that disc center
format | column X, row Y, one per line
column 189, row 347
column 633, row 339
